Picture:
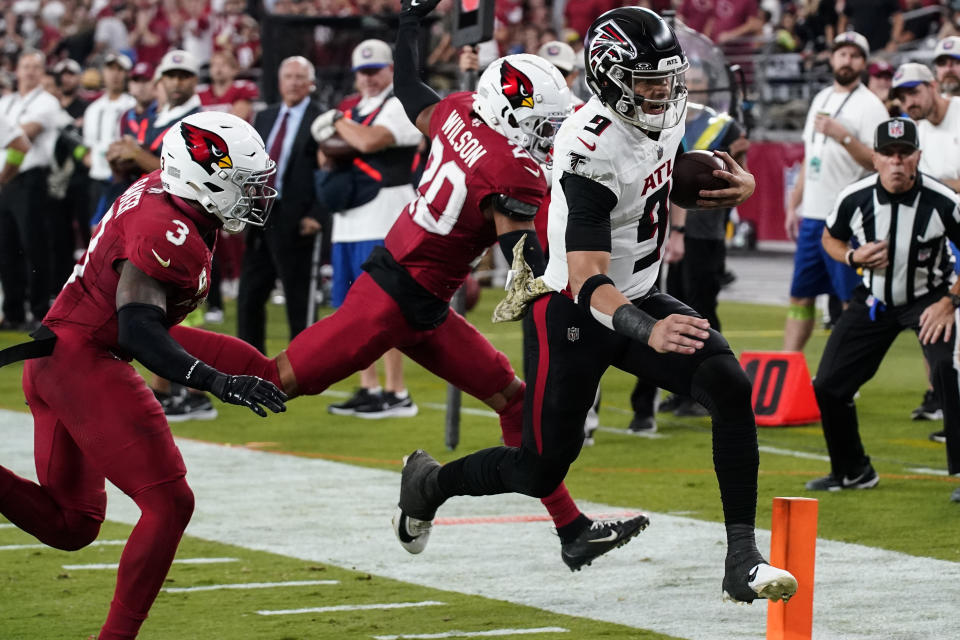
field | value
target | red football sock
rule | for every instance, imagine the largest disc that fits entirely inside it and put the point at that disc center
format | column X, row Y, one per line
column 29, row 506
column 226, row 353
column 165, row 512
column 559, row 504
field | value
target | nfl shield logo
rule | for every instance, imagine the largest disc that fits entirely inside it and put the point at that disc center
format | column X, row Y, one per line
column 895, row 128
column 659, row 152
column 573, row 334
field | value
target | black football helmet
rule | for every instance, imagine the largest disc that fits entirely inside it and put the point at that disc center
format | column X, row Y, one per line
column 635, row 66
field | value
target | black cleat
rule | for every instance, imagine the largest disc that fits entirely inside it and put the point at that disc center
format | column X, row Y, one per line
column 419, row 500
column 929, row 409
column 360, row 398
column 600, row 537
column 939, row 436
column 749, row 577
column 867, row 479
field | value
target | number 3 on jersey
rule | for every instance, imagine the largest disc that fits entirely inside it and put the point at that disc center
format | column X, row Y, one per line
column 442, row 191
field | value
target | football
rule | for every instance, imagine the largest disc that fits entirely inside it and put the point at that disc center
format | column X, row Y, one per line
column 337, row 149
column 692, row 172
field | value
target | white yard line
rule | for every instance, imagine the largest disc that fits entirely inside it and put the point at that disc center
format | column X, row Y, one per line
column 322, row 511
column 79, row 567
column 250, row 585
column 353, row 607
column 95, row 543
column 492, row 633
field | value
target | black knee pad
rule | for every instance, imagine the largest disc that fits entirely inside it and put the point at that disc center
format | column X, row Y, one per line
column 721, row 385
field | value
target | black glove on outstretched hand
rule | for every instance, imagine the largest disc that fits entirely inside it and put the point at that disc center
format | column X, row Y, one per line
column 249, row 391
column 418, row 8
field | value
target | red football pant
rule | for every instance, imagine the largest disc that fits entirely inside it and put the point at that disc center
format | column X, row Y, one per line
column 369, row 323
column 94, row 418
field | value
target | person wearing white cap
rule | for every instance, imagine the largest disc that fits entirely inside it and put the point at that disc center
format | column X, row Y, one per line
column 562, row 56
column 837, row 139
column 386, row 143
column 946, row 62
column 938, row 123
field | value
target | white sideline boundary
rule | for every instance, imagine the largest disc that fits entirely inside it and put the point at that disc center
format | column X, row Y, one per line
column 114, row 565
column 95, row 543
column 667, row 580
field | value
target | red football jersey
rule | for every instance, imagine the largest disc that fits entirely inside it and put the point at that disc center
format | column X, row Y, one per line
column 238, row 90
column 163, row 236
column 439, row 234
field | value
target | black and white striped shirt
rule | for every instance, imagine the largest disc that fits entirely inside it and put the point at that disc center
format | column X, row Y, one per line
column 916, row 225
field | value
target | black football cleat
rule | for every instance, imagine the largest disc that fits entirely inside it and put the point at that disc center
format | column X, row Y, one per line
column 600, row 537
column 419, row 500
column 749, row 577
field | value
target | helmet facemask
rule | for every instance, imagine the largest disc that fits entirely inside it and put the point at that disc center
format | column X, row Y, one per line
column 255, row 201
column 538, row 135
column 650, row 100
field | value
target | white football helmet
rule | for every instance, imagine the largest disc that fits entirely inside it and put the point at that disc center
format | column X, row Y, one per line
column 525, row 98
column 219, row 160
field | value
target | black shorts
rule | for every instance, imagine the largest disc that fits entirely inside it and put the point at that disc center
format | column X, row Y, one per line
column 565, row 354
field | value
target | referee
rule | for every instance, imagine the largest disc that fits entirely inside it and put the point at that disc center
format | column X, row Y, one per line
column 900, row 220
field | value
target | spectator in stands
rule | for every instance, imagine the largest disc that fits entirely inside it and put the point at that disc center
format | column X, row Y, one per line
column 375, row 126
column 579, row 14
column 24, row 245
column 951, row 20
column 283, row 248
column 946, row 62
column 925, row 21
column 880, row 22
column 195, row 28
column 112, row 33
column 234, row 30
column 879, row 79
column 818, row 23
column 101, row 127
column 150, row 35
column 225, row 92
column 837, row 138
column 66, row 75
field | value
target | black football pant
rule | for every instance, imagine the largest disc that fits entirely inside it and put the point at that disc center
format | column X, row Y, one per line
column 566, row 353
column 854, row 351
column 279, row 251
column 24, row 246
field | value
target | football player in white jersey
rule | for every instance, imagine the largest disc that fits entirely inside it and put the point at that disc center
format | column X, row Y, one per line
column 608, row 220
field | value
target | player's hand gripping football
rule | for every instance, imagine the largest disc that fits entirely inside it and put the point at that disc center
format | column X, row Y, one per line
column 679, row 333
column 418, row 8
column 249, row 391
column 740, row 186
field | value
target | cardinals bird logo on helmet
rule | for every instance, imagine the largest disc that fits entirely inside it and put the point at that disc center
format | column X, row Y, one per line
column 206, row 148
column 516, row 86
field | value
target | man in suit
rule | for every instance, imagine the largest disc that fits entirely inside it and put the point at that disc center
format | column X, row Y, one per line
column 283, row 248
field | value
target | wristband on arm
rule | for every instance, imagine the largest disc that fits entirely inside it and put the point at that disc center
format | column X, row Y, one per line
column 627, row 320
column 15, row 157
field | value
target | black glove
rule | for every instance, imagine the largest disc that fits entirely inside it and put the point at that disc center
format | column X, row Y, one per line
column 418, row 8
column 249, row 391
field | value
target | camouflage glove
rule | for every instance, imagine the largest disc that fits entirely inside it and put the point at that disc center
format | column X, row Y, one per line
column 522, row 288
column 418, row 8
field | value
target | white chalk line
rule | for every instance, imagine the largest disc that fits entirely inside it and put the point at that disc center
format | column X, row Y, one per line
column 95, row 543
column 353, row 607
column 81, row 567
column 250, row 585
column 473, row 634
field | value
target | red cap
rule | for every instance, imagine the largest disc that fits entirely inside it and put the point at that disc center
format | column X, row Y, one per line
column 880, row 68
column 142, row 71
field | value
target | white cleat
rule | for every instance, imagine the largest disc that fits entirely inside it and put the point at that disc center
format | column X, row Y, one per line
column 763, row 581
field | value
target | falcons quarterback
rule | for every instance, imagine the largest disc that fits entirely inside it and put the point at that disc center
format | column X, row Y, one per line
column 607, row 224
column 146, row 268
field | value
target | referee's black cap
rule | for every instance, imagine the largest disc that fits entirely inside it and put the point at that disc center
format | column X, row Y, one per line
column 901, row 132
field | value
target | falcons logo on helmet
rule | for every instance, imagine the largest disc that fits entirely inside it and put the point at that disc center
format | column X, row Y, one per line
column 610, row 43
column 206, row 148
column 516, row 86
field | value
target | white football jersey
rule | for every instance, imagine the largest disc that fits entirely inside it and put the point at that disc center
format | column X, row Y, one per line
column 597, row 145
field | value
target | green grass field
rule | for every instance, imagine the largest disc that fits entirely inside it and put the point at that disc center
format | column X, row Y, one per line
column 41, row 600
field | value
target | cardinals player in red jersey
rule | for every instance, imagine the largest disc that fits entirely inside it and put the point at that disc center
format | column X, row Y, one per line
column 145, row 269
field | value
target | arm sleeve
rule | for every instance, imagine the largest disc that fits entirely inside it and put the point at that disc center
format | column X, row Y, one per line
column 414, row 95
column 589, row 205
column 143, row 335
